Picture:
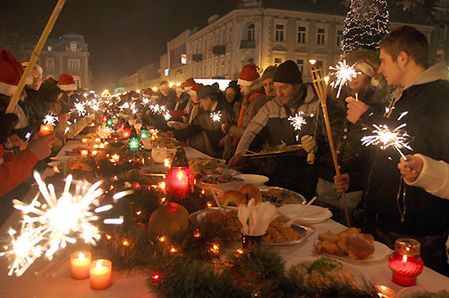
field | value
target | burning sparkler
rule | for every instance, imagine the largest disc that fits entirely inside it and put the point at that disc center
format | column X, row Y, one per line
column 216, row 117
column 49, row 119
column 343, row 74
column 167, row 116
column 385, row 137
column 49, row 226
column 297, row 121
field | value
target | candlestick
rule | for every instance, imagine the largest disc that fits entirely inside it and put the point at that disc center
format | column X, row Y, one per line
column 80, row 264
column 46, row 129
column 100, row 274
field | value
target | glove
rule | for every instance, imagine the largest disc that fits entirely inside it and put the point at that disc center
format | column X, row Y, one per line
column 309, row 144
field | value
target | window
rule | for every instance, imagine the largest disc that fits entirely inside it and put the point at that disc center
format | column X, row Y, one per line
column 319, row 64
column 321, row 33
column 277, row 61
column 440, row 55
column 300, row 63
column 301, row 34
column 183, row 58
column 250, row 32
column 339, row 38
column 279, row 33
column 74, row 64
column 49, row 48
column 442, row 32
column 73, row 46
column 166, row 72
column 50, row 63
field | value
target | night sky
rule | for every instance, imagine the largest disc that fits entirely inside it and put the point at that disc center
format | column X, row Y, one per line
column 122, row 35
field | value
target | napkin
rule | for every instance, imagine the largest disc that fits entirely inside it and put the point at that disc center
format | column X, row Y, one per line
column 255, row 218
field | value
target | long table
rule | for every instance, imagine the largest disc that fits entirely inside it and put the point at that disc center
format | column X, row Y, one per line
column 52, row 278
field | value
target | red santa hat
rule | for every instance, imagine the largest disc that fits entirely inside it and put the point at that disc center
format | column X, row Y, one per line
column 66, row 82
column 195, row 88
column 188, row 84
column 10, row 72
column 248, row 74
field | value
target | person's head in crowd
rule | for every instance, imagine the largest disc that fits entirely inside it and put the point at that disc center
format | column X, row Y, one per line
column 7, row 124
column 66, row 83
column 50, row 92
column 193, row 93
column 188, row 84
column 403, row 55
column 208, row 97
column 10, row 72
column 248, row 75
column 287, row 82
column 35, row 80
column 267, row 80
column 232, row 92
column 164, row 88
column 179, row 92
column 365, row 62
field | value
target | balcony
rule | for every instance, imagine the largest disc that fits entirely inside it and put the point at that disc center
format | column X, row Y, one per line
column 247, row 44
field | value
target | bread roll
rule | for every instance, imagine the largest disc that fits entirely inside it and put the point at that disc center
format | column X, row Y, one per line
column 360, row 246
column 233, row 197
column 251, row 192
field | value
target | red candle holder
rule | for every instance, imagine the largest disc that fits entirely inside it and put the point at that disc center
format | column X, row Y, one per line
column 406, row 262
column 179, row 179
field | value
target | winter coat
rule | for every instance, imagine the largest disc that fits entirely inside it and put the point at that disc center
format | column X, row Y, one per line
column 387, row 196
column 14, row 169
column 168, row 101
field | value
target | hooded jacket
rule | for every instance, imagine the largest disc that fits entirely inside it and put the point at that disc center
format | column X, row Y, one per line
column 425, row 105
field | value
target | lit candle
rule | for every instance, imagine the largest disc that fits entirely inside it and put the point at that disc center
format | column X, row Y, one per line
column 46, row 129
column 101, row 146
column 167, row 162
column 384, row 291
column 116, row 157
column 84, row 153
column 94, row 153
column 98, row 140
column 84, row 140
column 80, row 264
column 161, row 186
column 406, row 262
column 100, row 274
column 133, row 144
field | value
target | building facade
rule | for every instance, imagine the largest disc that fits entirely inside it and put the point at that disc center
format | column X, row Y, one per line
column 66, row 54
column 269, row 36
column 147, row 76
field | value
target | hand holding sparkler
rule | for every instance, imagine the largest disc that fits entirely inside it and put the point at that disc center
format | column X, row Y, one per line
column 411, row 167
column 355, row 109
column 41, row 147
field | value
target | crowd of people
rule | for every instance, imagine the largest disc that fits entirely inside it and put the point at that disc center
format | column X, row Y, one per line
column 389, row 196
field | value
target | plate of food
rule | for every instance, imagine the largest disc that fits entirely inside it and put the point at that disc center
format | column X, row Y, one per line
column 305, row 213
column 280, row 196
column 268, row 151
column 352, row 246
column 253, row 179
column 202, row 164
column 212, row 220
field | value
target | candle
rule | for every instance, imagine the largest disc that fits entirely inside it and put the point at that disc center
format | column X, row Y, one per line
column 46, row 129
column 133, row 144
column 94, row 153
column 161, row 186
column 98, row 140
column 100, row 274
column 167, row 162
column 406, row 262
column 80, row 264
column 84, row 140
column 115, row 157
column 384, row 291
column 84, row 153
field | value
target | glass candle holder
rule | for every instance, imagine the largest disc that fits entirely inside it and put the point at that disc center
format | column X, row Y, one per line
column 80, row 264
column 46, row 129
column 100, row 274
column 405, row 262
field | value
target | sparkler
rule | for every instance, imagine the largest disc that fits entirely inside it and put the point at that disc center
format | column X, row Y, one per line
column 49, row 226
column 167, row 116
column 385, row 137
column 216, row 117
column 343, row 74
column 49, row 119
column 297, row 121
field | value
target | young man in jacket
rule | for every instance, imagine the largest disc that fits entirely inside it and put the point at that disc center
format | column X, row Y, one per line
column 393, row 208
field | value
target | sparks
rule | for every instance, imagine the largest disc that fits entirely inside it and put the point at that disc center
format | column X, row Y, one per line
column 297, row 121
column 53, row 224
column 385, row 137
column 343, row 74
column 80, row 107
column 49, row 119
column 167, row 116
column 216, row 117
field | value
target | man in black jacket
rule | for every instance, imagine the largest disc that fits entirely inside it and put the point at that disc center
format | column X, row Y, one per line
column 394, row 209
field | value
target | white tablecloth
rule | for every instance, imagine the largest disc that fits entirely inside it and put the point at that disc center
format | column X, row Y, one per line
column 52, row 278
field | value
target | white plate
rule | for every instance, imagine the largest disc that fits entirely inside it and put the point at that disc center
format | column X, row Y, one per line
column 253, row 179
column 413, row 291
column 305, row 213
column 381, row 252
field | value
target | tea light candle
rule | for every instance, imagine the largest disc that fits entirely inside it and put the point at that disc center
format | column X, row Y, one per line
column 46, row 129
column 115, row 157
column 84, row 140
column 80, row 264
column 94, row 153
column 84, row 153
column 100, row 274
column 167, row 162
column 98, row 140
column 161, row 186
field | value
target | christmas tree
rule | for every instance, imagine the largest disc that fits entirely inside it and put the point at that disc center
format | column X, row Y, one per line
column 366, row 23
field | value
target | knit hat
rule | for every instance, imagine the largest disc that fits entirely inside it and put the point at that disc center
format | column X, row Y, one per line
column 269, row 72
column 207, row 91
column 248, row 74
column 66, row 82
column 288, row 72
column 188, row 84
column 49, row 92
column 10, row 72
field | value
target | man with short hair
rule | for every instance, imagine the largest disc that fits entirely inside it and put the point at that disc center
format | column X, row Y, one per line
column 393, row 208
column 167, row 96
column 272, row 126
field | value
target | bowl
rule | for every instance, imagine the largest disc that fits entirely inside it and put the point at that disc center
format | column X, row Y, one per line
column 253, row 179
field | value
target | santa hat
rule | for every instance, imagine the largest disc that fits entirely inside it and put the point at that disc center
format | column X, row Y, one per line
column 66, row 82
column 188, row 84
column 195, row 88
column 10, row 72
column 248, row 74
column 164, row 85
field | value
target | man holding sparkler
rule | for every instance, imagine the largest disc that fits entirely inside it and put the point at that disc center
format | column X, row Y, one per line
column 393, row 208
